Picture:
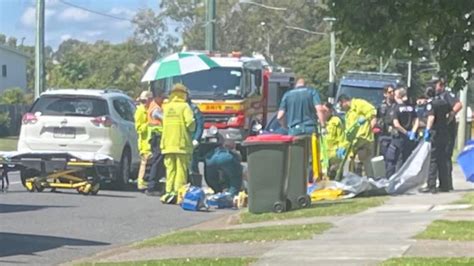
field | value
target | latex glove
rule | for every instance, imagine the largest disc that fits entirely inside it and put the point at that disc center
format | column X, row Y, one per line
column 195, row 143
column 361, row 120
column 376, row 130
column 324, row 131
column 341, row 152
column 427, row 135
column 411, row 135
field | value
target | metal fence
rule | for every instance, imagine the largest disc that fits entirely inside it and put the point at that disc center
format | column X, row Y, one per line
column 15, row 112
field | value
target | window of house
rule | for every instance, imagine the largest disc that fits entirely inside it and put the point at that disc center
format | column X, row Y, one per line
column 4, row 70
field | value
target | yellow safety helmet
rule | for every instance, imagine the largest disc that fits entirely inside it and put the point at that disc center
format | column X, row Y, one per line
column 178, row 87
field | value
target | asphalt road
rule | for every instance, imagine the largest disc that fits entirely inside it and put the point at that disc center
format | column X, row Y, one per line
column 49, row 228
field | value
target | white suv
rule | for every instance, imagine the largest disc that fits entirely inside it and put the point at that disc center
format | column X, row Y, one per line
column 82, row 120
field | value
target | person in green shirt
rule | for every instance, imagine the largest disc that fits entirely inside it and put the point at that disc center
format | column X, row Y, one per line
column 300, row 110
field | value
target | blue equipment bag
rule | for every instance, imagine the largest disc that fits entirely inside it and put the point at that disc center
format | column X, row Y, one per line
column 466, row 159
column 194, row 199
column 220, row 200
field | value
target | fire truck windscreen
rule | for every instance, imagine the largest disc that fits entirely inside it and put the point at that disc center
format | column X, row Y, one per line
column 222, row 82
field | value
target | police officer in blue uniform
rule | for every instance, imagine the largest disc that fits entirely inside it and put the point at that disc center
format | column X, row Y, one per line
column 384, row 121
column 455, row 106
column 405, row 125
column 300, row 109
column 436, row 130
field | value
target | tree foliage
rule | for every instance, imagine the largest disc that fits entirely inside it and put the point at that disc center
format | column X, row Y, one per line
column 151, row 28
column 382, row 26
column 12, row 96
column 100, row 65
column 312, row 63
column 248, row 27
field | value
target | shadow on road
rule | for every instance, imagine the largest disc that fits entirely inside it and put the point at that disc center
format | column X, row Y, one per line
column 10, row 208
column 12, row 244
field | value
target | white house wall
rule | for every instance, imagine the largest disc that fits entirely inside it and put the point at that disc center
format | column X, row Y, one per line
column 16, row 70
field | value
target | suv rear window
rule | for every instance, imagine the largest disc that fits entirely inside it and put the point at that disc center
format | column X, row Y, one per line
column 59, row 105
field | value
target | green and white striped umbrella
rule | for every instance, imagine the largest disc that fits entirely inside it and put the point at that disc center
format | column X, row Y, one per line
column 178, row 64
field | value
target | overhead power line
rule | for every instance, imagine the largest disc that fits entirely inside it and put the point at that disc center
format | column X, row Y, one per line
column 94, row 11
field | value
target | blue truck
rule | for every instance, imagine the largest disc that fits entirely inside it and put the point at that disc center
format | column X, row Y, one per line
column 367, row 85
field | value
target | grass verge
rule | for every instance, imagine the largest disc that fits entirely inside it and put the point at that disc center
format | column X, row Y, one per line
column 179, row 262
column 286, row 232
column 332, row 208
column 416, row 261
column 8, row 143
column 468, row 198
column 449, row 230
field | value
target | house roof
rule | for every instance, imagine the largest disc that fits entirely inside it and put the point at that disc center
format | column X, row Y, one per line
column 13, row 50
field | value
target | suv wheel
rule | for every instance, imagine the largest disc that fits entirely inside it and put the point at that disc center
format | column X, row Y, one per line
column 124, row 170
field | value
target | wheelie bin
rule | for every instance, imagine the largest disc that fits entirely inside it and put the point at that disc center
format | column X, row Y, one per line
column 298, row 162
column 268, row 170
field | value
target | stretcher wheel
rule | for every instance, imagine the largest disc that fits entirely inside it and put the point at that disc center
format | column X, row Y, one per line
column 86, row 189
column 39, row 187
column 30, row 186
column 95, row 189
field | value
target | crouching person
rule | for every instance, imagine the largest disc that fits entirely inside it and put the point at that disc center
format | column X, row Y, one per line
column 336, row 142
column 224, row 169
column 176, row 141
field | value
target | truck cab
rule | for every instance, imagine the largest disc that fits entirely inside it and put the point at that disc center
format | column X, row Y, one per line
column 367, row 85
column 232, row 97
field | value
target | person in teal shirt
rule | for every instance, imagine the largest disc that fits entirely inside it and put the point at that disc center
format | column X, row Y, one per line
column 300, row 110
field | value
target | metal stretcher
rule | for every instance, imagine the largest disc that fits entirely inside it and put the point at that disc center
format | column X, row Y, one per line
column 56, row 170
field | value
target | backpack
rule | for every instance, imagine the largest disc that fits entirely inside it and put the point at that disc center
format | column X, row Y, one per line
column 194, row 199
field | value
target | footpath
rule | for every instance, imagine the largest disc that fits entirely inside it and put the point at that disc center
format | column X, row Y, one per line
column 365, row 238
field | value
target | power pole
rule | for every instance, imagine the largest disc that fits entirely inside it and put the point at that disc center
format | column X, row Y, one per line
column 461, row 137
column 409, row 74
column 332, row 56
column 211, row 25
column 463, row 97
column 39, row 49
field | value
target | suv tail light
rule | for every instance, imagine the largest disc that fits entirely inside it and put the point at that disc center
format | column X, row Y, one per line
column 105, row 121
column 236, row 121
column 29, row 118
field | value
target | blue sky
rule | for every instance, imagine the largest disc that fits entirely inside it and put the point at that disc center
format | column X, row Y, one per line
column 17, row 19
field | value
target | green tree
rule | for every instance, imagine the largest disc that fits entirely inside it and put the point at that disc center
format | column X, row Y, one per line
column 248, row 27
column 311, row 63
column 382, row 26
column 12, row 42
column 100, row 65
column 13, row 96
column 3, row 38
column 152, row 28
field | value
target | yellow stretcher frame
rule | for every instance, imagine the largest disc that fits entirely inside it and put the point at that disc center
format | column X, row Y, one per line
column 65, row 179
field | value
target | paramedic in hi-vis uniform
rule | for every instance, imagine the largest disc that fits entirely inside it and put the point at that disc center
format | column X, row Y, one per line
column 364, row 114
column 141, row 126
column 176, row 141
